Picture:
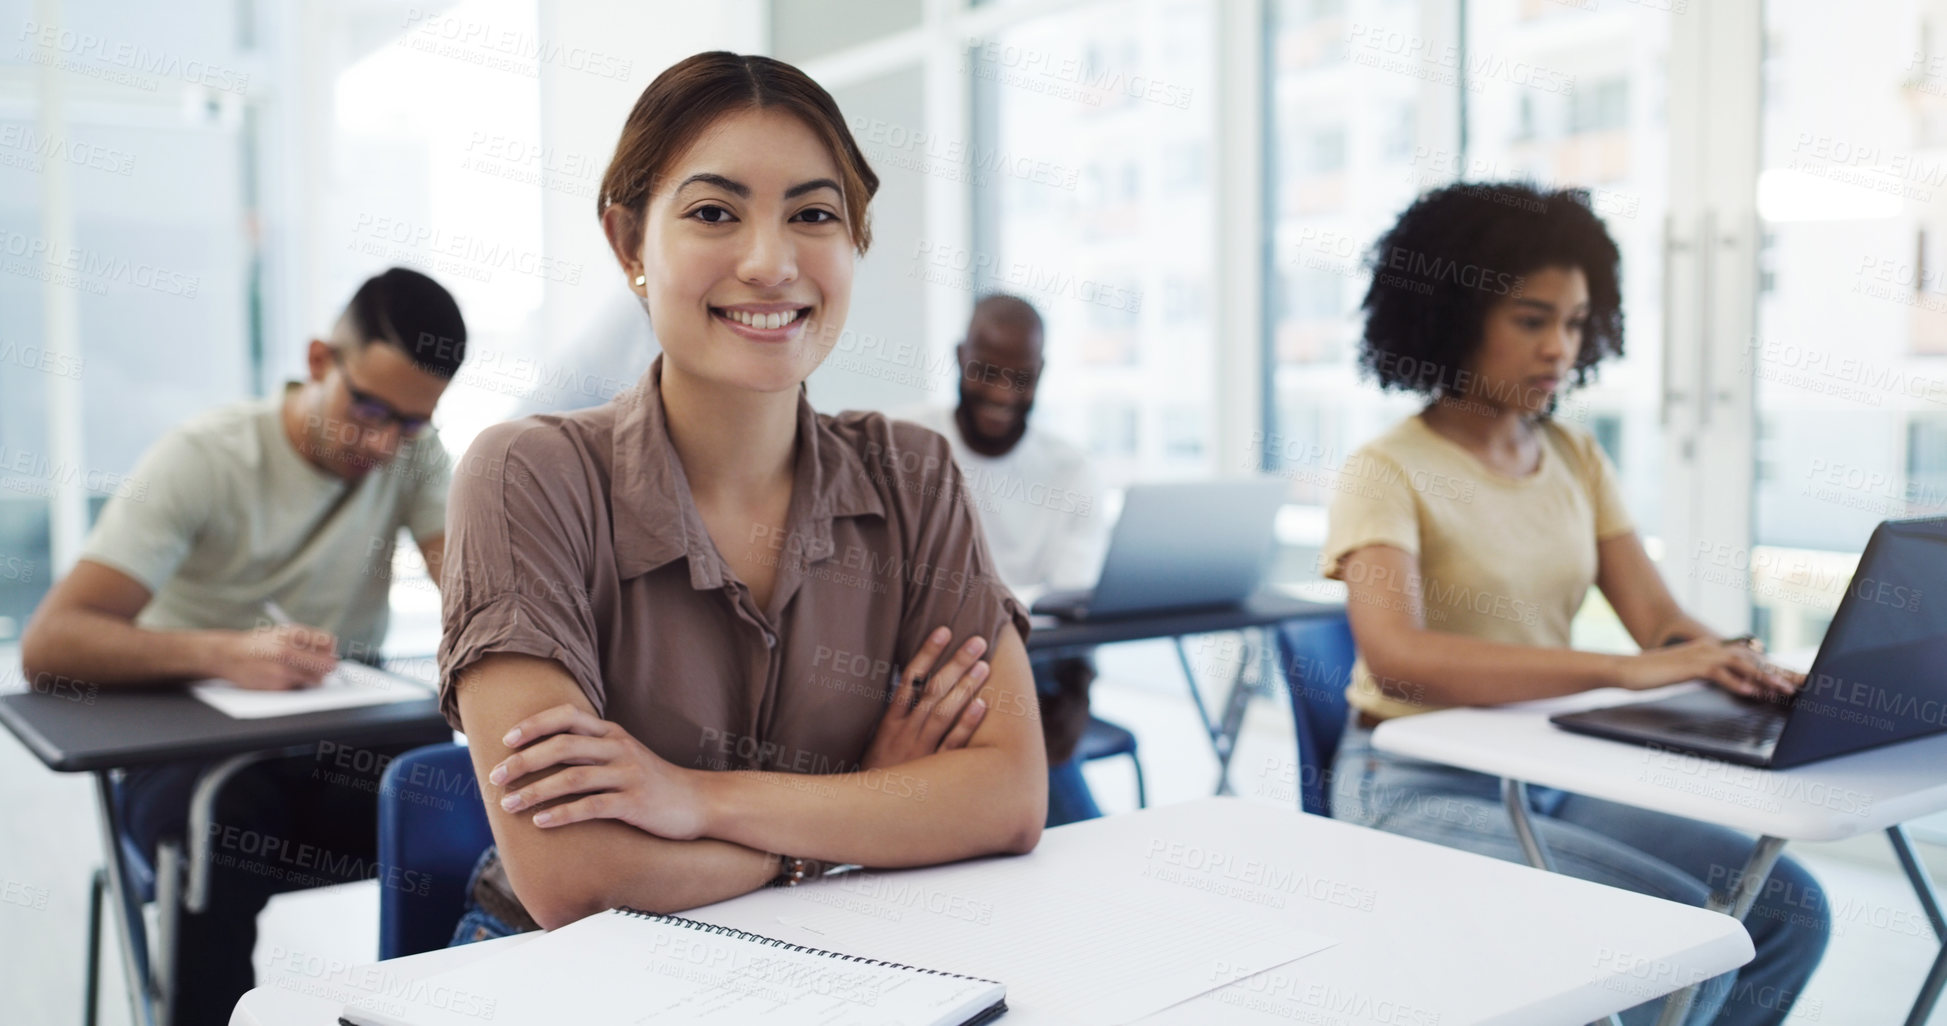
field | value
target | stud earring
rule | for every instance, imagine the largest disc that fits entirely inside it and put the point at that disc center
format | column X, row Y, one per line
column 642, row 279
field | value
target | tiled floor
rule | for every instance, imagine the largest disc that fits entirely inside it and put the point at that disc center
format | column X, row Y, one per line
column 1871, row 970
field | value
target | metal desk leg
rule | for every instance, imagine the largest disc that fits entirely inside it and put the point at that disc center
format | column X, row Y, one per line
column 91, row 992
column 1196, row 694
column 128, row 910
column 1916, row 873
column 1929, row 991
column 1250, row 679
column 1514, row 795
column 1757, row 869
column 1223, row 733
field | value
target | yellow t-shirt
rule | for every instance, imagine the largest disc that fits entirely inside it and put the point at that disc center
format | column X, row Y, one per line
column 1500, row 558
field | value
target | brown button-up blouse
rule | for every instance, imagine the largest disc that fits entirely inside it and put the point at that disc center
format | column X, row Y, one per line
column 575, row 538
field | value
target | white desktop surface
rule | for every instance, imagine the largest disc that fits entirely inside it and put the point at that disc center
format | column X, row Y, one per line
column 1450, row 934
column 1825, row 801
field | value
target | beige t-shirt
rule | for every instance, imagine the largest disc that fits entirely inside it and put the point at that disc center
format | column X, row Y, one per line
column 222, row 515
column 1500, row 558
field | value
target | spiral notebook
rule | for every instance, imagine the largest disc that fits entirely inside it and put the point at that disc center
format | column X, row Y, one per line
column 624, row 966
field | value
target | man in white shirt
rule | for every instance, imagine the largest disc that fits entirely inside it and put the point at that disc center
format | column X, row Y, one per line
column 1038, row 504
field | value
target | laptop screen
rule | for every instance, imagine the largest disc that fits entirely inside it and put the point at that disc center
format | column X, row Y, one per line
column 1881, row 672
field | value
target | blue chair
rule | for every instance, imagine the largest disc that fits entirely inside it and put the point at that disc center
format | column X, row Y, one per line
column 1104, row 740
column 432, row 829
column 1317, row 656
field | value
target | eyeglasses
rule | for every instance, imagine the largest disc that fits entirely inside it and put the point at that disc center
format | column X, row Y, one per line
column 372, row 411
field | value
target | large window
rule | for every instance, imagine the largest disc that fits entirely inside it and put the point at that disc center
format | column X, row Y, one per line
column 1850, row 355
column 1099, row 203
column 134, row 217
column 473, row 143
column 1347, row 97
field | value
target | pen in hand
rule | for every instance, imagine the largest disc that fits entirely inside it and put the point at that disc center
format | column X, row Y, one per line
column 310, row 652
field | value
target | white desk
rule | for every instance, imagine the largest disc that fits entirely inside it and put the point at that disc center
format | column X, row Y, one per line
column 1875, row 790
column 1422, row 931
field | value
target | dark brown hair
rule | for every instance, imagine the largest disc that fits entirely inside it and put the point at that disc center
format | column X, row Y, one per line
column 691, row 95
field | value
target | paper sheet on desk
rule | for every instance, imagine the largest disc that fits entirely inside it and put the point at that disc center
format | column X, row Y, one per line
column 351, row 684
column 1128, row 938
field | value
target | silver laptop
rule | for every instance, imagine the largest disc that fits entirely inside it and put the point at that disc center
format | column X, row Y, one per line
column 1192, row 545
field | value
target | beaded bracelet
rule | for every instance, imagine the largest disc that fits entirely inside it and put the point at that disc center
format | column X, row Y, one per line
column 791, row 871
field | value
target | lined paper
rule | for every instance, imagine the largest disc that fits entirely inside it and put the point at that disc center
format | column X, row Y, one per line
column 349, row 684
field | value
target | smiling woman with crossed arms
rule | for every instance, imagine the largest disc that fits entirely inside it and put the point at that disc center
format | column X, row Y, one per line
column 664, row 612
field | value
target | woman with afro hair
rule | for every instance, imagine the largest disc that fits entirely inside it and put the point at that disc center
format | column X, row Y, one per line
column 1468, row 536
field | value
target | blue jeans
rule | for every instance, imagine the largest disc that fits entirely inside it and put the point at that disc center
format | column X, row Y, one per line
column 476, row 923
column 1619, row 845
column 1069, row 799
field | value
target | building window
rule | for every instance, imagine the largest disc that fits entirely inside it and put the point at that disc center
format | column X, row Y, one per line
column 1602, row 107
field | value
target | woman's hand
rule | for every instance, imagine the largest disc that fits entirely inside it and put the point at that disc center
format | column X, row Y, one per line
column 947, row 711
column 616, row 776
column 1736, row 668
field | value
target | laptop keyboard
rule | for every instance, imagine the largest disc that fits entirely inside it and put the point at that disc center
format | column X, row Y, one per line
column 1756, row 727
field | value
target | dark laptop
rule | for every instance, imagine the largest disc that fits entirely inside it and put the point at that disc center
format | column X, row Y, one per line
column 1180, row 546
column 1880, row 675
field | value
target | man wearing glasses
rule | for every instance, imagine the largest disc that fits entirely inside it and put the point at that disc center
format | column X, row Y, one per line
column 288, row 504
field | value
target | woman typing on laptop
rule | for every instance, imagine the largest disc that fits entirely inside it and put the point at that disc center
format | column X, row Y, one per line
column 674, row 622
column 1468, row 536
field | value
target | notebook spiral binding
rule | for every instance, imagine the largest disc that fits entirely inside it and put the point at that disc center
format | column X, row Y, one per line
column 746, row 935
